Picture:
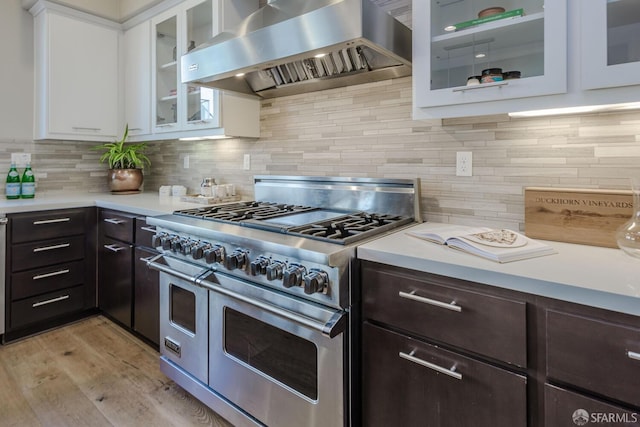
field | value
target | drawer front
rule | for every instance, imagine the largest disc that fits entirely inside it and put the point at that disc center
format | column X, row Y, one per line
column 407, row 382
column 116, row 225
column 564, row 408
column 47, row 225
column 39, row 254
column 594, row 355
column 47, row 306
column 42, row 280
column 144, row 232
column 487, row 325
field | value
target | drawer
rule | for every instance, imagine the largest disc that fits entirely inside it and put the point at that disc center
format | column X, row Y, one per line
column 39, row 254
column 117, row 225
column 144, row 232
column 594, row 355
column 48, row 279
column 407, row 382
column 47, row 225
column 430, row 307
column 47, row 306
column 561, row 410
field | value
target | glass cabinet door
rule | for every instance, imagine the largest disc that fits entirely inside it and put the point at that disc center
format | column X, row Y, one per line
column 610, row 31
column 166, row 75
column 201, row 106
column 473, row 51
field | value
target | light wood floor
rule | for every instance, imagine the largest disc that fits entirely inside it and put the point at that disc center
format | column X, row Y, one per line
column 92, row 373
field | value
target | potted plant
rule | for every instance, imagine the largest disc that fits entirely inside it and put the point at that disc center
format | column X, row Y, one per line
column 125, row 164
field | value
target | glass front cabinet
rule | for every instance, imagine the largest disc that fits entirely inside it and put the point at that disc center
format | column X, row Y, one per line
column 181, row 106
column 477, row 51
column 610, row 37
column 185, row 108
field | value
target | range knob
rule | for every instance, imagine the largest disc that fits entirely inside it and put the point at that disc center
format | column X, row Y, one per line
column 316, row 281
column 156, row 239
column 180, row 245
column 197, row 250
column 166, row 240
column 275, row 270
column 259, row 266
column 236, row 259
column 293, row 275
column 213, row 254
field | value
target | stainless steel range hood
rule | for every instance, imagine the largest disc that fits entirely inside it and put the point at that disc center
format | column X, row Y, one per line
column 276, row 48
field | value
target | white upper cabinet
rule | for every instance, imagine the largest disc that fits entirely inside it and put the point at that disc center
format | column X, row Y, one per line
column 76, row 68
column 570, row 53
column 451, row 49
column 610, row 43
column 184, row 110
column 136, row 47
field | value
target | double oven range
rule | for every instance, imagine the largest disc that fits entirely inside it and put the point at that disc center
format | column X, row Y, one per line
column 255, row 297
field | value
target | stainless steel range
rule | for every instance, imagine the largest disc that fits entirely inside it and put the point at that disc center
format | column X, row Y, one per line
column 255, row 296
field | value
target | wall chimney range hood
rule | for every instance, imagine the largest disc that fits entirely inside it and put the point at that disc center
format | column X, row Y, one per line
column 289, row 47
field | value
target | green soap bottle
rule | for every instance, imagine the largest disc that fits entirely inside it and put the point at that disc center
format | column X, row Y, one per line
column 28, row 186
column 12, row 189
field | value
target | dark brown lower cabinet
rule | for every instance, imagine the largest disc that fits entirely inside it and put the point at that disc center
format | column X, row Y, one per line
column 146, row 307
column 565, row 408
column 408, row 382
column 115, row 272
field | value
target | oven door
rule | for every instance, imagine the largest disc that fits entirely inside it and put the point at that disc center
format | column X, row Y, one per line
column 184, row 316
column 274, row 356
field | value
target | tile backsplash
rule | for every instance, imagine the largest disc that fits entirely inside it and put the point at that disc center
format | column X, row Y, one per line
column 367, row 130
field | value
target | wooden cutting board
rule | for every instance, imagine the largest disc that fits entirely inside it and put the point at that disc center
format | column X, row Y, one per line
column 585, row 216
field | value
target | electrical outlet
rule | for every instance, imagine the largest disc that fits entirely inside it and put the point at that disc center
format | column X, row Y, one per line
column 464, row 163
column 21, row 159
column 247, row 162
column 186, row 162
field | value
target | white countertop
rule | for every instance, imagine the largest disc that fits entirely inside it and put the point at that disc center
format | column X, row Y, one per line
column 595, row 276
column 147, row 204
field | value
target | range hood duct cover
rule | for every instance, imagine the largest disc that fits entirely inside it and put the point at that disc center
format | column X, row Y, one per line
column 275, row 49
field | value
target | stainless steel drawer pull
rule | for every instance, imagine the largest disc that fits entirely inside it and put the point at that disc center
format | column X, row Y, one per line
column 412, row 296
column 53, row 273
column 48, row 248
column 411, row 358
column 49, row 301
column 51, row 221
column 115, row 248
column 114, row 221
column 633, row 355
column 149, row 229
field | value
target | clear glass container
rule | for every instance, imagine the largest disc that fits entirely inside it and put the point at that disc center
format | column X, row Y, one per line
column 628, row 236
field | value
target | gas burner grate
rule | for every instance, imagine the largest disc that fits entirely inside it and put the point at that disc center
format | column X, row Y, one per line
column 236, row 212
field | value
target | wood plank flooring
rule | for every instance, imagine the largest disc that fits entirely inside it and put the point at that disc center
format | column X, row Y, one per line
column 92, row 373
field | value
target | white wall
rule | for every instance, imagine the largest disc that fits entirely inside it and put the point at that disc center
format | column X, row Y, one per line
column 16, row 73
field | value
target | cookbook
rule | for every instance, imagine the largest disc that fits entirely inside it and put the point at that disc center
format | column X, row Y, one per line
column 499, row 245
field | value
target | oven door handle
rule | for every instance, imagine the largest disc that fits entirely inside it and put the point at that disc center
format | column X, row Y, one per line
column 166, row 269
column 332, row 328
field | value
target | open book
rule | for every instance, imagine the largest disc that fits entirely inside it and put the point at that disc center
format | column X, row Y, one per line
column 490, row 243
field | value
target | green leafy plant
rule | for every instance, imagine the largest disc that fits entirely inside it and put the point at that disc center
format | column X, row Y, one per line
column 124, row 156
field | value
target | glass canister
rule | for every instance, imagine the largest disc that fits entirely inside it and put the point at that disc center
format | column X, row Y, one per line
column 628, row 236
column 206, row 186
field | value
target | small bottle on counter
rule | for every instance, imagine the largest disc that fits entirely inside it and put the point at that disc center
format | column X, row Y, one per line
column 12, row 189
column 28, row 185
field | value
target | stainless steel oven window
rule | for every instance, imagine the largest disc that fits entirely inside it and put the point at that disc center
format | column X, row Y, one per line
column 278, row 354
column 182, row 306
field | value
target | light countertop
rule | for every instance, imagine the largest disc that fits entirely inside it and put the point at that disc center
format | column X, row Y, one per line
column 595, row 276
column 147, row 204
